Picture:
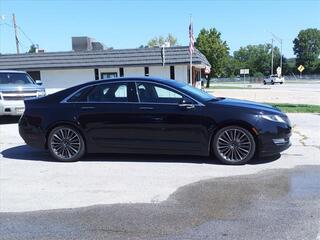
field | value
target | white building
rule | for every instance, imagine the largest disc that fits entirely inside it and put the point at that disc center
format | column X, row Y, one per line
column 65, row 69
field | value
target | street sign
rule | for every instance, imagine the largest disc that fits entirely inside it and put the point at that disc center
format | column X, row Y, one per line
column 244, row 71
column 279, row 71
column 301, row 68
column 207, row 70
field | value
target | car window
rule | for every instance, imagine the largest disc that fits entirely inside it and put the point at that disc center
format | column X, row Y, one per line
column 109, row 92
column 152, row 93
column 80, row 96
column 15, row 78
column 116, row 92
column 165, row 93
column 121, row 91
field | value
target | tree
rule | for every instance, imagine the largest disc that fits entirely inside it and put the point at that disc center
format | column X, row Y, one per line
column 257, row 58
column 289, row 66
column 216, row 50
column 33, row 48
column 232, row 67
column 160, row 41
column 307, row 49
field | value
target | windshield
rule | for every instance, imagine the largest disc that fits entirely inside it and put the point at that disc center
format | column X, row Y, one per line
column 15, row 78
column 198, row 92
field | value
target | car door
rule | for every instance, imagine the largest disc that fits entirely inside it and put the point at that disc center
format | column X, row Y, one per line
column 168, row 121
column 105, row 113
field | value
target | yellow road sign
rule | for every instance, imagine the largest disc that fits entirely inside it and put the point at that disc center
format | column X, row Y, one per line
column 301, row 68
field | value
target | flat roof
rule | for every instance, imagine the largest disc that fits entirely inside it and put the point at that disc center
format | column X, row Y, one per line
column 101, row 58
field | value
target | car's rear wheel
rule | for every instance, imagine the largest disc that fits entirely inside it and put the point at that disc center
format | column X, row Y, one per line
column 66, row 144
column 272, row 82
column 234, row 145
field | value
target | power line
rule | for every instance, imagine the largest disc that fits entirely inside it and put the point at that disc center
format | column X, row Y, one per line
column 10, row 25
column 23, row 32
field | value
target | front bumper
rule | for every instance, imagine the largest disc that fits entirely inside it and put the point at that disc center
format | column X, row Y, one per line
column 274, row 137
column 11, row 108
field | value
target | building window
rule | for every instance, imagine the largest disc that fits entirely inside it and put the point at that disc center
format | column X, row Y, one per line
column 35, row 75
column 146, row 71
column 121, row 72
column 105, row 75
column 96, row 74
column 172, row 72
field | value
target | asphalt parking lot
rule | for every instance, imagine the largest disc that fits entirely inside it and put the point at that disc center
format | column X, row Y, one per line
column 161, row 197
column 299, row 93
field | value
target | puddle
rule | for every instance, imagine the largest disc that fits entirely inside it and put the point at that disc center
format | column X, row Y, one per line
column 191, row 206
column 305, row 183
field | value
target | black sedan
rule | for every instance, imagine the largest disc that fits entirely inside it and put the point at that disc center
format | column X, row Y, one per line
column 156, row 116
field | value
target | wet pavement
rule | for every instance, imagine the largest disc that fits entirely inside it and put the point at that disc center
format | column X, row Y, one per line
column 273, row 204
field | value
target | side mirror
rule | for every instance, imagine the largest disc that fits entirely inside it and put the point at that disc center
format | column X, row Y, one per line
column 39, row 82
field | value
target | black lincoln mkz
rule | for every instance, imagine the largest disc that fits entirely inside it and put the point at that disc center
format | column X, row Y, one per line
column 148, row 115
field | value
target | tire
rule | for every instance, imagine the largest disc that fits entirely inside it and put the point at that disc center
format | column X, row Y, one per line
column 226, row 145
column 264, row 83
column 66, row 144
column 272, row 82
column 281, row 82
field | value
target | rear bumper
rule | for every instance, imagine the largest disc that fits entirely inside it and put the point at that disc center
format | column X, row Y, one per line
column 31, row 133
column 11, row 108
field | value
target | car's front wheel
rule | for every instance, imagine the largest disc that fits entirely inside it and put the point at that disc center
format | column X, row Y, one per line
column 234, row 145
column 66, row 144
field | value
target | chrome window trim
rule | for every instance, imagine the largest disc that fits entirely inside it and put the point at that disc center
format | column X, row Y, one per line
column 65, row 100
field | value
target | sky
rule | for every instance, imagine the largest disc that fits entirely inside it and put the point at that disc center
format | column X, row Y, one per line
column 130, row 23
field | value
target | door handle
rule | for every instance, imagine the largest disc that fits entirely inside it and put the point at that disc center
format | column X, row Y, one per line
column 187, row 105
column 146, row 108
column 88, row 107
column 157, row 118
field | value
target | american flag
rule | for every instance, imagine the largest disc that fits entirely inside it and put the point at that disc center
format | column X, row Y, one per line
column 191, row 38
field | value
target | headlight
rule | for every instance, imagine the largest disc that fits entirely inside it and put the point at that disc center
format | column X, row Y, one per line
column 41, row 93
column 274, row 118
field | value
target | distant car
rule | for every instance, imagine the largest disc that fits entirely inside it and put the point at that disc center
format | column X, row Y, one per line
column 155, row 116
column 15, row 87
column 272, row 79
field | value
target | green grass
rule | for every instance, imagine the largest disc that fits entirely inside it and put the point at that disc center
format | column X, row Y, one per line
column 297, row 108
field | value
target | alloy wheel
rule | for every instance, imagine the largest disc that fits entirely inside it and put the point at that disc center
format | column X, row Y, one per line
column 234, row 145
column 66, row 144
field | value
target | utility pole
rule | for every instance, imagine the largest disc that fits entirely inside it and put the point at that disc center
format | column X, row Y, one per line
column 280, row 41
column 272, row 56
column 281, row 56
column 16, row 33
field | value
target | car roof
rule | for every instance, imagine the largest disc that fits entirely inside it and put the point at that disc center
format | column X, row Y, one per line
column 11, row 71
column 170, row 82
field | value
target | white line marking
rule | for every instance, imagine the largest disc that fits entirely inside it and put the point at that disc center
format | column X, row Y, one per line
column 318, row 236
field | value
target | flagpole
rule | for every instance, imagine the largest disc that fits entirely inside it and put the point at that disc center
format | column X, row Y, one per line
column 191, row 52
